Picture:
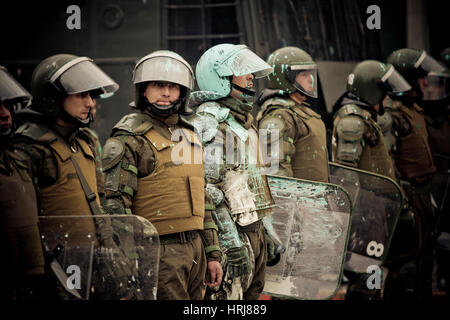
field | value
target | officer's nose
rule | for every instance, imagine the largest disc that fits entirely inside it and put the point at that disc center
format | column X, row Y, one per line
column 165, row 90
column 88, row 101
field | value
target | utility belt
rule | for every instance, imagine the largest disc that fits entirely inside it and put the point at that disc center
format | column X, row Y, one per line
column 253, row 227
column 179, row 237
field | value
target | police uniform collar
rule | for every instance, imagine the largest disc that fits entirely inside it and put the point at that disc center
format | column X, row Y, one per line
column 170, row 120
column 240, row 110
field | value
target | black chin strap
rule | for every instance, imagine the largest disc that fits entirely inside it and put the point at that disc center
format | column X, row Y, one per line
column 79, row 123
column 164, row 112
column 244, row 90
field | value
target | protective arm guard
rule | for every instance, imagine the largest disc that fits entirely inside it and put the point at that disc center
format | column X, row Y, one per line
column 279, row 142
column 209, row 232
column 237, row 258
column 119, row 167
column 350, row 144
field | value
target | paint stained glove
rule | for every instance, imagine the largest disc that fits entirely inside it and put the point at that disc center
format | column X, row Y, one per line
column 238, row 262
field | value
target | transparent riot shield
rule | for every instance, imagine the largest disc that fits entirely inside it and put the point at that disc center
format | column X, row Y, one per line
column 377, row 202
column 311, row 221
column 102, row 257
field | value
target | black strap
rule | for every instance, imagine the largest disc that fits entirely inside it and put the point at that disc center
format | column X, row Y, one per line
column 90, row 195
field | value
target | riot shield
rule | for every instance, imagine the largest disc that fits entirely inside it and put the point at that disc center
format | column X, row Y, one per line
column 102, row 257
column 312, row 221
column 377, row 202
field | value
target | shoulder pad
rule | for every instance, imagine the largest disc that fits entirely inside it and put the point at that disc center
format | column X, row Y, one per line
column 353, row 109
column 135, row 123
column 271, row 122
column 350, row 128
column 113, row 152
column 273, row 103
column 204, row 123
column 38, row 132
column 215, row 109
column 278, row 102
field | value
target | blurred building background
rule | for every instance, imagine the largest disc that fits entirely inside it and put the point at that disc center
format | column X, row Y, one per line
column 116, row 33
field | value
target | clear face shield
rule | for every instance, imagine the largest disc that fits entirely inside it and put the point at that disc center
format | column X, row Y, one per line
column 394, row 83
column 82, row 75
column 303, row 78
column 244, row 62
column 435, row 87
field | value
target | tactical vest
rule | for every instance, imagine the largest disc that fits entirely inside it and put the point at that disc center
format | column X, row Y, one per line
column 19, row 235
column 66, row 196
column 374, row 158
column 310, row 160
column 413, row 156
column 172, row 196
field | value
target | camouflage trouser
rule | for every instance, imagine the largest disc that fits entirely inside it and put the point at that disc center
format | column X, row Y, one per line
column 182, row 270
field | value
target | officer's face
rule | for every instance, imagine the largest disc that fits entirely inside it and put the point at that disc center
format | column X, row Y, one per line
column 78, row 105
column 306, row 80
column 162, row 93
column 245, row 81
column 5, row 118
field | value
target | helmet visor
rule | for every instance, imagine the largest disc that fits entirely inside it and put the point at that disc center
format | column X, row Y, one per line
column 394, row 83
column 303, row 78
column 11, row 90
column 435, row 86
column 87, row 76
column 166, row 69
column 429, row 64
column 245, row 62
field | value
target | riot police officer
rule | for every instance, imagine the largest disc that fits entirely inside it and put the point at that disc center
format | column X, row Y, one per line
column 357, row 139
column 63, row 155
column 225, row 75
column 302, row 133
column 405, row 125
column 146, row 176
column 23, row 262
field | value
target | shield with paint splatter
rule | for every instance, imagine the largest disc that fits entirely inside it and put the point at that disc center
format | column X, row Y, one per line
column 377, row 202
column 102, row 257
column 312, row 221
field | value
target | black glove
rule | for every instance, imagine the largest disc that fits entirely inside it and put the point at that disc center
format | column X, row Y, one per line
column 238, row 262
column 273, row 252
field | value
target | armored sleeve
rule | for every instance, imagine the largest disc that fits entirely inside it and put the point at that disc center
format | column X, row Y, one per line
column 125, row 158
column 289, row 128
column 209, row 232
column 350, row 140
